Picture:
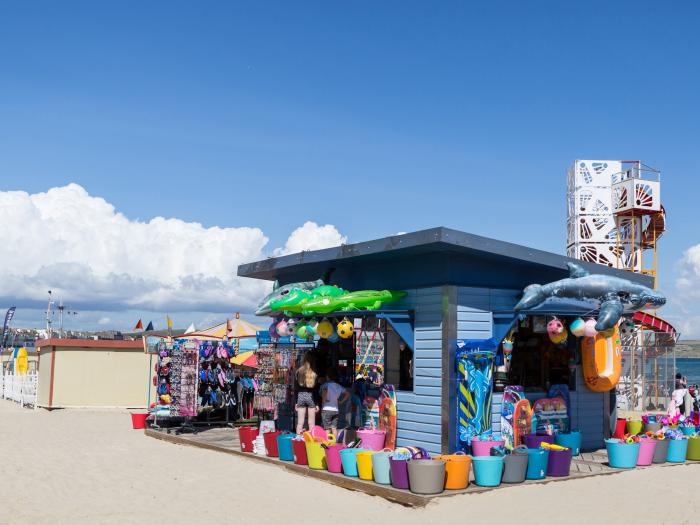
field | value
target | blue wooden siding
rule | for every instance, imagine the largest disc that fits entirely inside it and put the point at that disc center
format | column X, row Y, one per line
column 419, row 420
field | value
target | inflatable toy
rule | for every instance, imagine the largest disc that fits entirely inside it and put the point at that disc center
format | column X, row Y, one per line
column 345, row 329
column 305, row 331
column 601, row 361
column 278, row 292
column 614, row 295
column 626, row 328
column 589, row 328
column 555, row 327
column 294, row 301
column 361, row 300
column 324, row 329
column 577, row 326
column 291, row 326
column 282, row 329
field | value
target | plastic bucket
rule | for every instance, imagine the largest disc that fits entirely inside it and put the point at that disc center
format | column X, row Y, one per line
column 693, row 449
column 271, row 443
column 488, row 470
column 333, row 458
column 380, row 468
column 559, row 463
column 661, row 451
column 247, row 435
column 348, row 458
column 315, row 455
column 457, row 468
column 284, row 447
column 622, row 455
column 570, row 440
column 651, row 427
column 677, row 450
column 299, row 449
column 646, row 451
column 372, row 439
column 483, row 448
column 364, row 464
column 138, row 420
column 426, row 476
column 534, row 440
column 620, row 428
column 515, row 466
column 687, row 431
column 536, row 463
column 399, row 473
column 634, row 427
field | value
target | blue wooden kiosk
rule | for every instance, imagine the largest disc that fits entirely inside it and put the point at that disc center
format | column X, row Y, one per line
column 460, row 286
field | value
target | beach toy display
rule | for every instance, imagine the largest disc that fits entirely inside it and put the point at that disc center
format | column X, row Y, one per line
column 348, row 459
column 270, row 439
column 559, row 461
column 693, row 453
column 426, row 476
column 481, row 446
column 651, row 423
column 381, row 471
column 515, row 465
column 634, row 427
column 537, row 459
column 570, row 440
column 535, row 440
column 364, row 465
column 622, row 453
column 457, row 467
column 647, row 446
column 333, row 461
column 488, row 470
column 246, row 437
column 284, row 447
column 372, row 439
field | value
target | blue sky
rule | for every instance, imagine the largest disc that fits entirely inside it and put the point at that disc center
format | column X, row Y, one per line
column 373, row 117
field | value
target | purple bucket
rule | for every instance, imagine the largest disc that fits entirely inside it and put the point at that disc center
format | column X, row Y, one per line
column 559, row 463
column 399, row 473
column 534, row 440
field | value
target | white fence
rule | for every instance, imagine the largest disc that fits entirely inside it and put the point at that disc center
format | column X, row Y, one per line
column 21, row 389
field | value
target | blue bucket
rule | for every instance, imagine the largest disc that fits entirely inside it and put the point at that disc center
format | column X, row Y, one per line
column 688, row 431
column 537, row 463
column 348, row 457
column 380, row 468
column 284, row 446
column 677, row 450
column 570, row 440
column 621, row 454
column 488, row 470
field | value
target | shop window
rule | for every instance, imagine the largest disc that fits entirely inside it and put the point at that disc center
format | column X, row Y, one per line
column 398, row 361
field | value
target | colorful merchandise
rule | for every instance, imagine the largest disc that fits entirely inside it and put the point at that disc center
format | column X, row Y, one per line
column 475, row 374
column 324, row 329
column 345, row 328
column 577, row 326
column 387, row 415
column 294, row 302
column 589, row 328
column 601, row 361
column 552, row 415
column 360, row 300
column 613, row 294
column 278, row 292
column 511, row 396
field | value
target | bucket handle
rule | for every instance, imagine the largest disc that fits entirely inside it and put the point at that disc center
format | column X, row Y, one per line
column 387, row 449
column 422, row 452
column 460, row 453
column 521, row 448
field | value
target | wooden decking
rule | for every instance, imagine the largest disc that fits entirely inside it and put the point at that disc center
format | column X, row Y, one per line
column 226, row 440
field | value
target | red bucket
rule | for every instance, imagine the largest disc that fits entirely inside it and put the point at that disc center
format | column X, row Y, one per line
column 247, row 435
column 271, row 443
column 299, row 449
column 138, row 421
column 620, row 428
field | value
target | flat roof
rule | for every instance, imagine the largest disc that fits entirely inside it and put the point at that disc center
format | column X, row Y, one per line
column 433, row 241
column 90, row 343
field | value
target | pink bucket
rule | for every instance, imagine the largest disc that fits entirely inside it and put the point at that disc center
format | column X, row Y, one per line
column 646, row 451
column 333, row 458
column 483, row 448
column 372, row 439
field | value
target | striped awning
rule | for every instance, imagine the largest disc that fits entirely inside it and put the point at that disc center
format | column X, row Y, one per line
column 655, row 323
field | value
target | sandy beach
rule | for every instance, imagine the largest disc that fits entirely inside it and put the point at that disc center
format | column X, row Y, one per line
column 91, row 467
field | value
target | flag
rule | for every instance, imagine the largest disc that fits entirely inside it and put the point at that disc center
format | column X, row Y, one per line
column 190, row 329
column 6, row 328
column 170, row 325
column 139, row 325
column 150, row 328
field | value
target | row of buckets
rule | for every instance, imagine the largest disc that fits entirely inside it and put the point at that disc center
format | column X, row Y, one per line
column 647, row 451
column 414, row 469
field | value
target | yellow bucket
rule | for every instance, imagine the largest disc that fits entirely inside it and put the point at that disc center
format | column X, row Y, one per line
column 364, row 465
column 315, row 455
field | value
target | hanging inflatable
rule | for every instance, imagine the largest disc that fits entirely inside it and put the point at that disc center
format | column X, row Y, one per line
column 361, row 300
column 324, row 329
column 294, row 301
column 601, row 361
column 345, row 329
column 613, row 295
column 278, row 292
column 577, row 326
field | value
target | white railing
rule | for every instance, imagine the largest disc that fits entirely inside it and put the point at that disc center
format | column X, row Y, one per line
column 21, row 389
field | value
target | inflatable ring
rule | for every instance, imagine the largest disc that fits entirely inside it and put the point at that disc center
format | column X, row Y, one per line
column 601, row 361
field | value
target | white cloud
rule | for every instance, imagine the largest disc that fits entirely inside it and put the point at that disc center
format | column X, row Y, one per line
column 104, row 320
column 311, row 236
column 689, row 280
column 687, row 318
column 94, row 257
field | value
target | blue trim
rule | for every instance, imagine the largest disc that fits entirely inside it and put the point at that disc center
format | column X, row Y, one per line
column 402, row 323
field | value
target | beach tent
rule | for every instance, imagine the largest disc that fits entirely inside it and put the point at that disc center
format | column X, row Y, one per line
column 232, row 328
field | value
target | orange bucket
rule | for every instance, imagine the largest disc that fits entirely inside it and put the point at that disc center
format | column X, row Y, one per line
column 457, row 468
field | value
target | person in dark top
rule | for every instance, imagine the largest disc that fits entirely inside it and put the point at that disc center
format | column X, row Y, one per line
column 306, row 404
column 405, row 367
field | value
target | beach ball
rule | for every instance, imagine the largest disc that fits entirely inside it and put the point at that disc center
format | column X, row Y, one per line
column 589, row 328
column 555, row 327
column 577, row 327
column 324, row 329
column 282, row 329
column 345, row 329
column 291, row 326
column 305, row 331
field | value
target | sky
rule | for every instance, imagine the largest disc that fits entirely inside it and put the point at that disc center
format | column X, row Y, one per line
column 148, row 148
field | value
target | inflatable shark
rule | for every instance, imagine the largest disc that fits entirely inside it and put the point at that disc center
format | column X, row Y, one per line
column 279, row 292
column 614, row 294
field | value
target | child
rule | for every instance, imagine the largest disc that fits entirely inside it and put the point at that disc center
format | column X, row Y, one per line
column 332, row 395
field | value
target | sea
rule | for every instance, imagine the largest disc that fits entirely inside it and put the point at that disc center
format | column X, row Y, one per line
column 690, row 368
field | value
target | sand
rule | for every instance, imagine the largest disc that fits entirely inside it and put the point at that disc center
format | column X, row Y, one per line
column 91, row 467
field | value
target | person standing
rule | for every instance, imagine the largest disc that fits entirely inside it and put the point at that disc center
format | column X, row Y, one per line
column 306, row 405
column 332, row 395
